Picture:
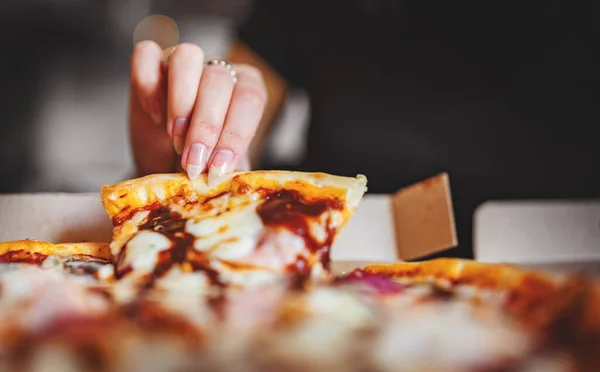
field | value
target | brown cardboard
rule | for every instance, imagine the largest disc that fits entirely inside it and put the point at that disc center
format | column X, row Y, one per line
column 414, row 222
column 423, row 218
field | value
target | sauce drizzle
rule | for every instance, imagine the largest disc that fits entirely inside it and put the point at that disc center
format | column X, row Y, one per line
column 125, row 214
column 21, row 256
column 172, row 225
column 288, row 209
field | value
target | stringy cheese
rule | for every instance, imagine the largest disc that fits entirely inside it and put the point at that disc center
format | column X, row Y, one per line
column 142, row 251
column 228, row 235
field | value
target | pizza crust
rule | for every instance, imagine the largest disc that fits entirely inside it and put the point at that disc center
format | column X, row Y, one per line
column 537, row 299
column 463, row 271
column 123, row 199
column 94, row 249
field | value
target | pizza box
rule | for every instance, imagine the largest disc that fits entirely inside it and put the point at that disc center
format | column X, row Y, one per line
column 554, row 235
column 414, row 222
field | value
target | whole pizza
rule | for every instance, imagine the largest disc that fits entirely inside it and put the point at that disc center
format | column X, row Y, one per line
column 236, row 277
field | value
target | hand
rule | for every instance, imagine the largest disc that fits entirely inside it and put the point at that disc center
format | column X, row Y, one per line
column 184, row 115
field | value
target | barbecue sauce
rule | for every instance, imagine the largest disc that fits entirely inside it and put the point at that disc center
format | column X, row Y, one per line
column 172, row 225
column 126, row 214
column 288, row 209
column 300, row 273
column 21, row 256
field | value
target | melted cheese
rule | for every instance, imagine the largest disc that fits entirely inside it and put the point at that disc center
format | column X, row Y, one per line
column 185, row 293
column 142, row 251
column 187, row 283
column 277, row 250
column 238, row 235
column 252, row 308
column 228, row 235
column 247, row 278
column 327, row 335
column 341, row 306
column 126, row 231
column 437, row 335
column 317, row 344
column 106, row 272
column 54, row 357
column 39, row 296
column 124, row 290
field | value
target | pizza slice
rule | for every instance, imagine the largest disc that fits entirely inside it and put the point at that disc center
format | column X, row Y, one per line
column 553, row 320
column 249, row 229
column 63, row 310
column 438, row 315
column 75, row 258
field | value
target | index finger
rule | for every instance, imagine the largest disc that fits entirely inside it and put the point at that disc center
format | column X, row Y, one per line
column 147, row 76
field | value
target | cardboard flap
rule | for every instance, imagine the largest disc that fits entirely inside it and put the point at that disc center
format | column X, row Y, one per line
column 424, row 218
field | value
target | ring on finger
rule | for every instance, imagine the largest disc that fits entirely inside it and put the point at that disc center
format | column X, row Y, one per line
column 223, row 63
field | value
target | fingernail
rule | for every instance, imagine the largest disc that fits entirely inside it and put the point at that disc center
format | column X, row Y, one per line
column 196, row 160
column 154, row 108
column 221, row 164
column 179, row 129
column 193, row 171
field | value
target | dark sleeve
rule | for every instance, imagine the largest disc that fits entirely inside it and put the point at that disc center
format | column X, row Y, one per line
column 270, row 30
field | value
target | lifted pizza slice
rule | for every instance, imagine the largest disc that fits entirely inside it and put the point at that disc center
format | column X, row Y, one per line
column 250, row 228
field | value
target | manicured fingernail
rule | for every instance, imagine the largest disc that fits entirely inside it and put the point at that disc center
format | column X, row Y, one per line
column 196, row 160
column 179, row 128
column 154, row 108
column 222, row 164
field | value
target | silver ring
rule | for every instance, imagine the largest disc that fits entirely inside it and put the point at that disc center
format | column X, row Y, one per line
column 223, row 63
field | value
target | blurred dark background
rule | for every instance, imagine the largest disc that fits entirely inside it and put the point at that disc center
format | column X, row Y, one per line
column 65, row 76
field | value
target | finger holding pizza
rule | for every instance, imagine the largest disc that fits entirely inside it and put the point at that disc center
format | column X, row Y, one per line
column 190, row 113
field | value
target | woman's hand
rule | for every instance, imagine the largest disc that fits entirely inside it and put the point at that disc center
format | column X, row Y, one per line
column 184, row 115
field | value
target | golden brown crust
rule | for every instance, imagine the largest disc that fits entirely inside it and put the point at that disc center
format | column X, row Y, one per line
column 523, row 284
column 541, row 301
column 121, row 200
column 95, row 249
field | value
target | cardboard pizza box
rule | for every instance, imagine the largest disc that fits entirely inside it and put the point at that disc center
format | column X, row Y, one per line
column 558, row 235
column 414, row 222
